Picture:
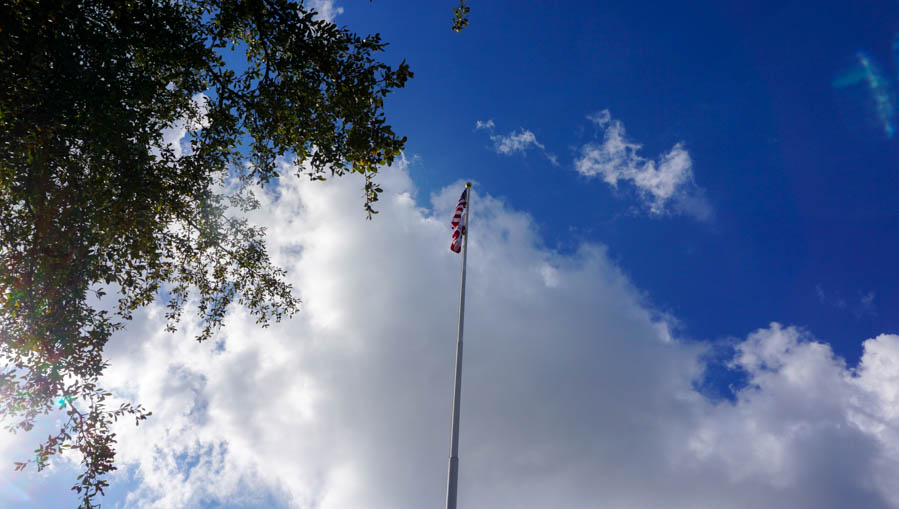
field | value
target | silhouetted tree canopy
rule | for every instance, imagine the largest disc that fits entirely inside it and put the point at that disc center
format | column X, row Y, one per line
column 92, row 200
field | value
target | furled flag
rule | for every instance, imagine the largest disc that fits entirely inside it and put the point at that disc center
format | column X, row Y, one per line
column 458, row 222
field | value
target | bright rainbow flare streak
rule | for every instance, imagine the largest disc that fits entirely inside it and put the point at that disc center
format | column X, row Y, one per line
column 14, row 487
column 879, row 84
column 13, row 491
column 881, row 91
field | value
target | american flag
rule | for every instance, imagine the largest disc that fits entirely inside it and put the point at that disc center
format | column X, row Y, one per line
column 458, row 222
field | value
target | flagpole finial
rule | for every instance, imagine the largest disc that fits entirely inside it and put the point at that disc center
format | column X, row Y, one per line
column 468, row 184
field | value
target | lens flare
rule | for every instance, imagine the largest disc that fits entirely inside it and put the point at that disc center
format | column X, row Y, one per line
column 896, row 56
column 849, row 78
column 879, row 85
column 13, row 490
column 881, row 91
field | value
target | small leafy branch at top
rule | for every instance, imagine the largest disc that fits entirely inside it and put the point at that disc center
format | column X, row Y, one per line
column 460, row 16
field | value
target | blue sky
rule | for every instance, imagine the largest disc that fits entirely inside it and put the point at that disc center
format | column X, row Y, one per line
column 800, row 175
column 716, row 329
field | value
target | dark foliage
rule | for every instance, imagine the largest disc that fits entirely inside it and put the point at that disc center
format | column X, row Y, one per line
column 91, row 199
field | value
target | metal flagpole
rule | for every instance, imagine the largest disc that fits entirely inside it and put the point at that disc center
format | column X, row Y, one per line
column 452, row 481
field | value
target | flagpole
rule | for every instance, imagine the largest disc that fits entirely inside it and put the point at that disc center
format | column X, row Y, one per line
column 452, row 481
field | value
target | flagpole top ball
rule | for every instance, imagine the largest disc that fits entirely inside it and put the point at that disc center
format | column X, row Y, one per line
column 468, row 184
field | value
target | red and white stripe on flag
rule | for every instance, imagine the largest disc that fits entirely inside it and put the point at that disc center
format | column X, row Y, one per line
column 458, row 222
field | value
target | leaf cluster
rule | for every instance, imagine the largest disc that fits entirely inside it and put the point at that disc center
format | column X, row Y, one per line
column 460, row 16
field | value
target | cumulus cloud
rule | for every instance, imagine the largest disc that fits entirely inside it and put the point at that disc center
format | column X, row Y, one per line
column 664, row 185
column 806, row 426
column 576, row 392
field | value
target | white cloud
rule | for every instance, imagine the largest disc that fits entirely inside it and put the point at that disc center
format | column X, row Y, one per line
column 175, row 136
column 862, row 306
column 574, row 390
column 865, row 305
column 806, row 426
column 516, row 142
column 326, row 9
column 834, row 299
column 601, row 118
column 664, row 184
column 480, row 124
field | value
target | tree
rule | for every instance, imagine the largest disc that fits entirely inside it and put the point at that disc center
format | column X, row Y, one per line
column 93, row 202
